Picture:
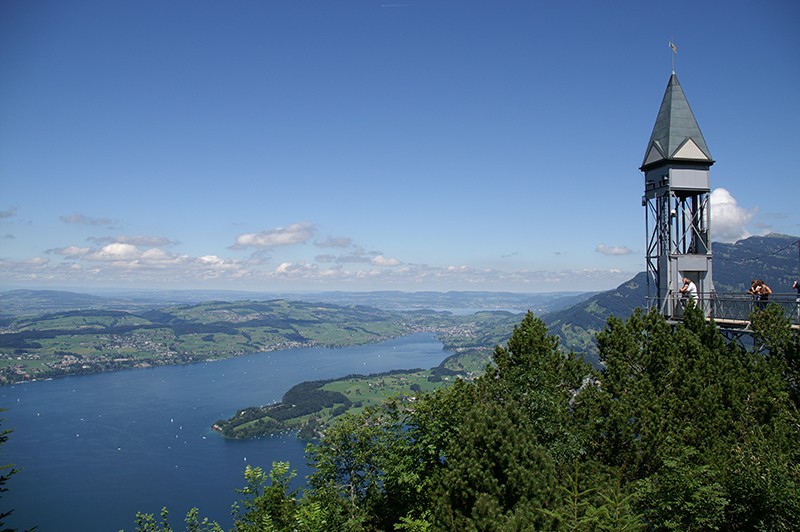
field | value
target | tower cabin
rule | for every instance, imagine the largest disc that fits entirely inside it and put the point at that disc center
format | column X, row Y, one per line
column 677, row 190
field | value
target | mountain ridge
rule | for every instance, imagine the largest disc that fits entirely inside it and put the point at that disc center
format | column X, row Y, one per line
column 735, row 265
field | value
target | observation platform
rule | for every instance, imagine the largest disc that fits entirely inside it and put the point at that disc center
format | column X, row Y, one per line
column 732, row 311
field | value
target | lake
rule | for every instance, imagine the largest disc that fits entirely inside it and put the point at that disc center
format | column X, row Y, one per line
column 93, row 450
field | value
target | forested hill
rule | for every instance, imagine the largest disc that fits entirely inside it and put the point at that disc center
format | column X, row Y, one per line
column 577, row 325
column 773, row 258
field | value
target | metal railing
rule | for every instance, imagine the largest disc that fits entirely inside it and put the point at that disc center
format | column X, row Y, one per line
column 736, row 308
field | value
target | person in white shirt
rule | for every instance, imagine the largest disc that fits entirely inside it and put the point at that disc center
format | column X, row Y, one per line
column 689, row 289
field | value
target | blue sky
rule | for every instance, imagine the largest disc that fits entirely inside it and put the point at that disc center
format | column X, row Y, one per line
column 375, row 145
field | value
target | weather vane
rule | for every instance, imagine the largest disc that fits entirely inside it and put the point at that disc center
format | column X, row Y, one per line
column 674, row 49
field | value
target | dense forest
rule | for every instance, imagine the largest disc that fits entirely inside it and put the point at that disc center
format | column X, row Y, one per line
column 678, row 430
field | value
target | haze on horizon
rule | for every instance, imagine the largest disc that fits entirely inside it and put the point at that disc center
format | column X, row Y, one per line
column 430, row 145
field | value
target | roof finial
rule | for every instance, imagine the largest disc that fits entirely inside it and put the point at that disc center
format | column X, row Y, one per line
column 674, row 49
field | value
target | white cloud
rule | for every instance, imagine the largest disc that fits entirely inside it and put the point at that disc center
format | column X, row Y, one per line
column 156, row 255
column 8, row 213
column 380, row 260
column 298, row 233
column 210, row 260
column 612, row 250
column 117, row 251
column 284, row 267
column 297, row 269
column 150, row 261
column 728, row 219
column 123, row 265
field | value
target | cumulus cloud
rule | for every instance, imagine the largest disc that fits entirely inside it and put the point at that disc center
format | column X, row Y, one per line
column 296, row 269
column 8, row 213
column 153, row 261
column 210, row 259
column 298, row 233
column 124, row 264
column 116, row 251
column 128, row 256
column 156, row 255
column 728, row 219
column 82, row 219
column 380, row 260
column 612, row 250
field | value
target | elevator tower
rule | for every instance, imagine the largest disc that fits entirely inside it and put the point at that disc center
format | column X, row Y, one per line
column 677, row 189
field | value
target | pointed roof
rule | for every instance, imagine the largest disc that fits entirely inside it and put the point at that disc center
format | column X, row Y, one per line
column 676, row 135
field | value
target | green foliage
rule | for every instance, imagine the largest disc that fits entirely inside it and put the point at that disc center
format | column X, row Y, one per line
column 269, row 505
column 685, row 493
column 348, row 467
column 533, row 371
column 679, row 430
column 772, row 332
column 148, row 522
column 680, row 415
column 593, row 501
column 495, row 474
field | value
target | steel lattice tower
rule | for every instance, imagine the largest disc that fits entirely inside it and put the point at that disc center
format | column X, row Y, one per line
column 677, row 189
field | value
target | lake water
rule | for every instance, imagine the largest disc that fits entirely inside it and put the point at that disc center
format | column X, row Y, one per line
column 93, row 450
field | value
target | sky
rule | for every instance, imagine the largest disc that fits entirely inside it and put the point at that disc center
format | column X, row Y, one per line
column 307, row 145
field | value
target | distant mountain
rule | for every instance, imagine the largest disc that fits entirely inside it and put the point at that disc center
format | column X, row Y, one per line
column 32, row 302
column 22, row 302
column 773, row 258
column 456, row 301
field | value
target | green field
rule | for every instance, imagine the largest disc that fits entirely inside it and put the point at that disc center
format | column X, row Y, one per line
column 325, row 400
column 90, row 341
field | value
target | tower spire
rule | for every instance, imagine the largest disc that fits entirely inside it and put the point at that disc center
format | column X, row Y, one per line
column 676, row 135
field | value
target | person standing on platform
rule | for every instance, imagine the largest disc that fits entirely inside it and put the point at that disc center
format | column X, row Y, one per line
column 689, row 289
column 763, row 291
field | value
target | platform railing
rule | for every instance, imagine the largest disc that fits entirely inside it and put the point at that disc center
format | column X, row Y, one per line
column 736, row 308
